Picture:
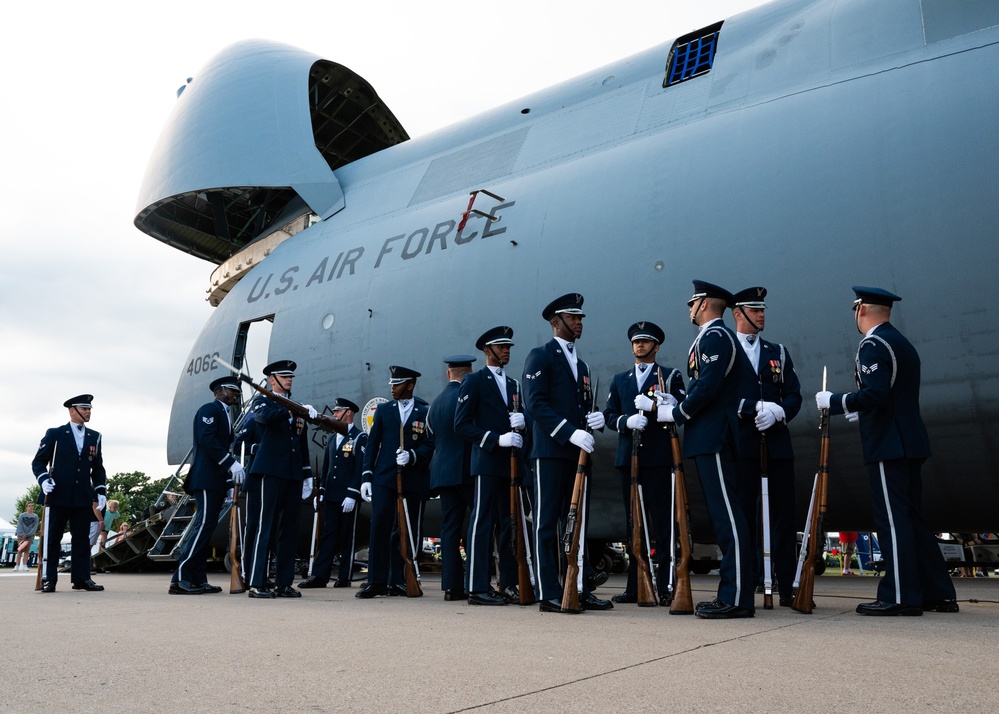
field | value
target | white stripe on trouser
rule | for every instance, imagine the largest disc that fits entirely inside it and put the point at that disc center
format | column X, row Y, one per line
column 735, row 533
column 472, row 546
column 256, row 536
column 537, row 535
column 194, row 541
column 894, row 535
column 45, row 549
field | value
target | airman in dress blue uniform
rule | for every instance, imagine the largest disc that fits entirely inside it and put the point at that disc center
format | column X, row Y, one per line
column 709, row 415
column 340, row 489
column 213, row 471
column 895, row 445
column 626, row 414
column 770, row 397
column 406, row 414
column 558, row 399
column 489, row 417
column 450, row 477
column 285, row 477
column 69, row 467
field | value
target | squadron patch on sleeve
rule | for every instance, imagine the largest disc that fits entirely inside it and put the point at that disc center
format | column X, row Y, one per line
column 868, row 369
column 208, row 420
column 708, row 358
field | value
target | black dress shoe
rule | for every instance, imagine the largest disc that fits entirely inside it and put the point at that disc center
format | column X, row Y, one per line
column 371, row 590
column 592, row 602
column 599, row 578
column 287, row 591
column 48, row 586
column 720, row 610
column 87, row 585
column 210, row 589
column 396, row 591
column 941, row 606
column 339, row 584
column 455, row 596
column 552, row 605
column 312, row 583
column 512, row 595
column 786, row 601
column 888, row 609
column 625, row 598
column 665, row 601
column 485, row 599
column 263, row 593
column 183, row 587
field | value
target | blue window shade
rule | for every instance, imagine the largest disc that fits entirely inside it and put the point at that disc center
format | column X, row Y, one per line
column 692, row 55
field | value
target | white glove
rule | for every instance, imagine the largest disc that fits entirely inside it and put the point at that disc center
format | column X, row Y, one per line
column 765, row 419
column 511, row 439
column 517, row 420
column 238, row 474
column 774, row 407
column 637, row 422
column 595, row 420
column 306, row 488
column 348, row 504
column 401, row 457
column 852, row 417
column 643, row 403
column 48, row 486
column 822, row 399
column 665, row 413
column 366, row 491
column 312, row 411
column 102, row 501
column 583, row 440
column 665, row 399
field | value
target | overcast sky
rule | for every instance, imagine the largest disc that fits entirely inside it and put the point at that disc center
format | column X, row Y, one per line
column 91, row 304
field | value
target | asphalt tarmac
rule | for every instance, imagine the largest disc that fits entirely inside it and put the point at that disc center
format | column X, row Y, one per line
column 135, row 648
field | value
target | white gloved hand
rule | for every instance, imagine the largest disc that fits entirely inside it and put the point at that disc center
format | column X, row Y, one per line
column 366, row 491
column 852, row 417
column 665, row 399
column 643, row 403
column 517, row 420
column 511, row 439
column 238, row 474
column 665, row 413
column 306, row 488
column 48, row 486
column 822, row 399
column 401, row 457
column 765, row 419
column 583, row 440
column 595, row 420
column 348, row 504
column 102, row 501
column 312, row 411
column 637, row 422
column 774, row 407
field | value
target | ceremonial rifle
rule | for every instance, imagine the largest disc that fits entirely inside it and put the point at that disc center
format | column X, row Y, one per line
column 683, row 599
column 574, row 530
column 768, row 581
column 324, row 422
column 803, row 601
column 402, row 514
column 646, row 587
column 518, row 525
column 317, row 518
column 39, row 576
column 235, row 570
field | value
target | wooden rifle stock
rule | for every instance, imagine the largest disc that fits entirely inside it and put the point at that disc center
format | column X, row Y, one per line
column 518, row 528
column 803, row 597
column 412, row 579
column 646, row 589
column 570, row 589
column 683, row 600
column 236, row 569
column 41, row 543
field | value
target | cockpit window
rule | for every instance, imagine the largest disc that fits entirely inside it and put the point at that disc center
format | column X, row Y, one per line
column 691, row 55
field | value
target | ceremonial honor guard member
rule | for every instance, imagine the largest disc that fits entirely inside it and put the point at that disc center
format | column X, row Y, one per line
column 770, row 397
column 487, row 418
column 895, row 445
column 558, row 396
column 340, row 486
column 407, row 414
column 69, row 467
column 450, row 477
column 709, row 417
column 213, row 471
column 285, row 477
column 631, row 399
